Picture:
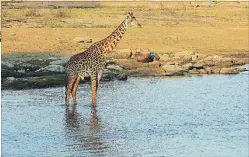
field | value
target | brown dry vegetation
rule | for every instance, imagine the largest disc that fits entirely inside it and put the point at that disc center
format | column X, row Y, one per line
column 166, row 27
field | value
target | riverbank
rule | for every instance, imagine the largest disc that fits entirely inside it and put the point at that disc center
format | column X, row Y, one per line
column 27, row 71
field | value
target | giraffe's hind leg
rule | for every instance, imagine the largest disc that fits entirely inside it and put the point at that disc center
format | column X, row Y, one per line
column 75, row 87
column 70, row 82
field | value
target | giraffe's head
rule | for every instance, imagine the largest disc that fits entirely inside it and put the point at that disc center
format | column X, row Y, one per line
column 131, row 20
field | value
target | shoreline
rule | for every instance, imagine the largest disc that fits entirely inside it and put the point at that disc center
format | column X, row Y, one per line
column 22, row 71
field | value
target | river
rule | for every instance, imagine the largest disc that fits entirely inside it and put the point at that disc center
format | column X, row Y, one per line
column 189, row 116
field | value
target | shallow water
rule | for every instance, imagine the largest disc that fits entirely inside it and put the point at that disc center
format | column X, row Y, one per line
column 194, row 116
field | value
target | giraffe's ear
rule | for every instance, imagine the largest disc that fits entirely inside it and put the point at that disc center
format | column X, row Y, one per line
column 130, row 13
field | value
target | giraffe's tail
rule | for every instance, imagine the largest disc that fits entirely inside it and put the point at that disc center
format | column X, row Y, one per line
column 66, row 80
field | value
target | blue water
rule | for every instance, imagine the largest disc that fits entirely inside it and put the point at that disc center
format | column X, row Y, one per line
column 188, row 117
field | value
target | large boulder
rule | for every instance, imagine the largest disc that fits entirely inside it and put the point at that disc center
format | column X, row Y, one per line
column 7, row 65
column 187, row 66
column 194, row 71
column 241, row 69
column 165, row 57
column 208, row 70
column 217, row 60
column 197, row 56
column 9, row 79
column 240, row 61
column 61, row 61
column 215, row 70
column 231, row 70
column 122, row 77
column 26, row 67
column 155, row 64
column 198, row 66
column 208, row 61
column 108, row 75
column 114, row 67
column 202, row 71
column 173, row 70
column 52, row 68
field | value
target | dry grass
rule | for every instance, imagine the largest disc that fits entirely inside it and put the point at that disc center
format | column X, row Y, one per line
column 32, row 12
column 62, row 13
column 166, row 27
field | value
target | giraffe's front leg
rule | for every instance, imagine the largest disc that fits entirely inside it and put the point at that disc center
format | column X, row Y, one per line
column 99, row 77
column 94, row 89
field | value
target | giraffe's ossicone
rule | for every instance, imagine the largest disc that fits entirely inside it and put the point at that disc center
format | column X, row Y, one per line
column 91, row 62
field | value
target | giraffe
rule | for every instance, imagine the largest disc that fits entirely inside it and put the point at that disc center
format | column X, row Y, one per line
column 91, row 62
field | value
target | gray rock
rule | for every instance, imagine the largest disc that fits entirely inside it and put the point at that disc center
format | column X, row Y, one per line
column 240, row 69
column 202, row 71
column 164, row 57
column 197, row 56
column 114, row 67
column 109, row 62
column 231, row 70
column 198, row 66
column 21, row 71
column 215, row 70
column 208, row 70
column 26, row 65
column 173, row 70
column 187, row 59
column 61, row 61
column 208, row 61
column 52, row 68
column 7, row 64
column 217, row 60
column 122, row 77
column 10, row 79
column 53, row 58
column 240, row 61
column 187, row 66
column 194, row 71
column 107, row 75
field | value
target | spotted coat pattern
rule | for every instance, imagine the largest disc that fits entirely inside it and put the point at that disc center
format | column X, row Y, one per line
column 91, row 62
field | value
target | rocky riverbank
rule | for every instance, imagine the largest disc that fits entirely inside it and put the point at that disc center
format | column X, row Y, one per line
column 40, row 71
column 22, row 71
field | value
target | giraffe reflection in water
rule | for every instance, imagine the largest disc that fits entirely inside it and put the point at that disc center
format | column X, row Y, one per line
column 82, row 133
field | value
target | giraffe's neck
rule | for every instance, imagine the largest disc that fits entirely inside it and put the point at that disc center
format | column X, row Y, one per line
column 110, row 42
